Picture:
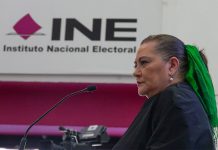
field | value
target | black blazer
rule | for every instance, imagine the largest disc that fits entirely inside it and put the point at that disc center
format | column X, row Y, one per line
column 174, row 119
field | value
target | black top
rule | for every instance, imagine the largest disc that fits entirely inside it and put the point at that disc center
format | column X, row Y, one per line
column 174, row 119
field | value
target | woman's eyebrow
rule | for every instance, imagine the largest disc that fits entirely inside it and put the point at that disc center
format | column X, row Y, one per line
column 144, row 57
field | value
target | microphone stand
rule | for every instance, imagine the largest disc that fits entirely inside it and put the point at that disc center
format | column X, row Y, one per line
column 24, row 138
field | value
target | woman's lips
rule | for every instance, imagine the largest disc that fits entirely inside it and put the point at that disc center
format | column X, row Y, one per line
column 139, row 83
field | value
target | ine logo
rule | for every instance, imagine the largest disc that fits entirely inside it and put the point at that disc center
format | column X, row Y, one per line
column 110, row 30
column 26, row 27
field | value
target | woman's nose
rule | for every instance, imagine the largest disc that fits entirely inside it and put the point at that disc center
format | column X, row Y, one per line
column 137, row 72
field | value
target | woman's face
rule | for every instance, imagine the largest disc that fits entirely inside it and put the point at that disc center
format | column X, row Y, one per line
column 151, row 71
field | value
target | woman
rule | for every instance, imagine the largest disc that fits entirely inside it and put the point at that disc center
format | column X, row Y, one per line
column 180, row 112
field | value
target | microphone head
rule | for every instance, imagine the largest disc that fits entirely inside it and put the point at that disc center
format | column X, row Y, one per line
column 62, row 128
column 91, row 88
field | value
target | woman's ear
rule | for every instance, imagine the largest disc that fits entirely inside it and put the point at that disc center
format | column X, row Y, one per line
column 173, row 66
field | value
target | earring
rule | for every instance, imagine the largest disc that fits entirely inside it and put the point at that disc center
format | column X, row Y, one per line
column 171, row 78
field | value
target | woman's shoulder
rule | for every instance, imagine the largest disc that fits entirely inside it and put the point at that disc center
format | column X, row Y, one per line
column 180, row 95
column 178, row 87
column 179, row 90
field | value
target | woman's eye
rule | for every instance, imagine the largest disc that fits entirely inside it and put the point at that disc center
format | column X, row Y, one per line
column 135, row 65
column 143, row 62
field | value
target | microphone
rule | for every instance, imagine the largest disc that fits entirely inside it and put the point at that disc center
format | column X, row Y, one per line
column 24, row 138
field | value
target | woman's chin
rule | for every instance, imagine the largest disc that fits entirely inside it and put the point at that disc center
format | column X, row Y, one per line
column 142, row 93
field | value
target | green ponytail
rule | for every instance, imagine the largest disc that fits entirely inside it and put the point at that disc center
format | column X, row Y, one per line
column 199, row 78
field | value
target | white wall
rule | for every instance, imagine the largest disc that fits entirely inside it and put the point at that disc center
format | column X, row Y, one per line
column 195, row 22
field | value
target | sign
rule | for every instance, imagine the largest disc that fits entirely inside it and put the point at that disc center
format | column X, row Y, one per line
column 74, row 36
